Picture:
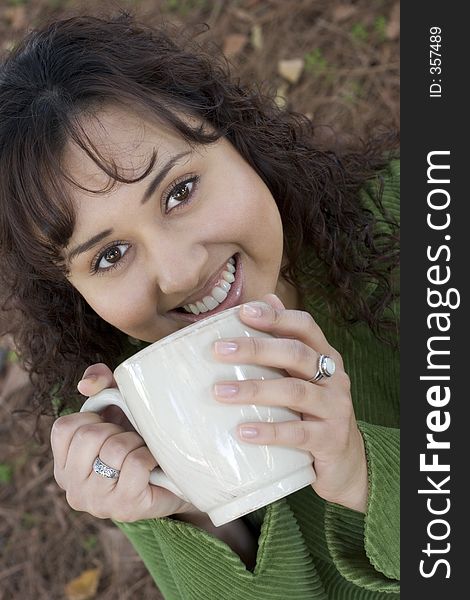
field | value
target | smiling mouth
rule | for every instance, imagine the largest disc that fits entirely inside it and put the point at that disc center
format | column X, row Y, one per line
column 225, row 294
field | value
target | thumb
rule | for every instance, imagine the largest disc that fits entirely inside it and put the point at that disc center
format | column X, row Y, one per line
column 273, row 301
column 96, row 377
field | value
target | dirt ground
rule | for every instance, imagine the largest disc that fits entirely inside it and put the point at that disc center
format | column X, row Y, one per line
column 345, row 77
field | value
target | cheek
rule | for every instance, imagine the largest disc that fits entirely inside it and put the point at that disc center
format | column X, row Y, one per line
column 248, row 213
column 262, row 224
column 124, row 307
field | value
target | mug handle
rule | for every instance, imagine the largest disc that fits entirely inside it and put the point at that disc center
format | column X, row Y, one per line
column 110, row 396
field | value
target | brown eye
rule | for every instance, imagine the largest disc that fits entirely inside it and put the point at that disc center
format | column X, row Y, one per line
column 112, row 255
column 182, row 192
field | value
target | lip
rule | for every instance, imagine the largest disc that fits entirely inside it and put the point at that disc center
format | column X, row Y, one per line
column 232, row 299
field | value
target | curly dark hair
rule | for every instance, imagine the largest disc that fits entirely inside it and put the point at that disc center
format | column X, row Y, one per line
column 74, row 67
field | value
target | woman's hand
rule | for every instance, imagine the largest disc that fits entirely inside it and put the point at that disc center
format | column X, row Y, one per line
column 79, row 438
column 328, row 428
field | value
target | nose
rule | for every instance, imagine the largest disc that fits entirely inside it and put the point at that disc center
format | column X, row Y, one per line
column 180, row 277
column 177, row 272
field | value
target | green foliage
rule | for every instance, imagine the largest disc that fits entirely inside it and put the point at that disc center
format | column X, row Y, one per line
column 315, row 62
column 56, row 401
column 17, row 2
column 359, row 32
column 59, row 407
column 12, row 357
column 184, row 7
column 89, row 543
column 380, row 26
column 6, row 473
column 378, row 31
column 353, row 92
column 28, row 520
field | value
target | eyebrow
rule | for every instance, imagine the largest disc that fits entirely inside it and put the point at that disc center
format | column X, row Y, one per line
column 154, row 184
column 95, row 240
column 160, row 176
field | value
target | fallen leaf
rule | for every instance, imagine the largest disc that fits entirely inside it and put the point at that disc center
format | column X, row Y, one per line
column 281, row 95
column 8, row 45
column 392, row 31
column 257, row 37
column 234, row 43
column 291, row 70
column 84, row 586
column 342, row 12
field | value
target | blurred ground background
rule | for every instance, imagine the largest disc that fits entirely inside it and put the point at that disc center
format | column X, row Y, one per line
column 334, row 60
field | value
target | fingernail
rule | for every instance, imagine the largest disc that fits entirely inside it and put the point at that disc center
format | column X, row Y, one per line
column 88, row 373
column 250, row 310
column 226, row 390
column 88, row 379
column 226, row 347
column 91, row 377
column 248, row 432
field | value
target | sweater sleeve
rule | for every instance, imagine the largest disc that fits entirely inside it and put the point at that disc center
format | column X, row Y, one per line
column 187, row 563
column 366, row 548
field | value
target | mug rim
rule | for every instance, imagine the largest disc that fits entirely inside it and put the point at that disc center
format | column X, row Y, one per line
column 184, row 331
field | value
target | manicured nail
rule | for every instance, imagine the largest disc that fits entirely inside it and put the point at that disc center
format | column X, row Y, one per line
column 250, row 310
column 90, row 377
column 248, row 432
column 226, row 390
column 86, row 378
column 226, row 347
column 89, row 373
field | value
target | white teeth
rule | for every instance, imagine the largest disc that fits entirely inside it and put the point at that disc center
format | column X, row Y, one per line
column 201, row 306
column 210, row 302
column 225, row 285
column 228, row 276
column 219, row 294
column 194, row 309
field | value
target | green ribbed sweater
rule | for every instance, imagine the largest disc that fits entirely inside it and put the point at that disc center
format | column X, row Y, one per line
column 307, row 548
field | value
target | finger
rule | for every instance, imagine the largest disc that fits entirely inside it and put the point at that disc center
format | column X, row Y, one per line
column 135, row 475
column 292, row 355
column 116, row 448
column 136, row 468
column 305, row 435
column 86, row 446
column 274, row 301
column 96, row 377
column 290, row 392
column 63, row 431
column 151, row 501
column 297, row 324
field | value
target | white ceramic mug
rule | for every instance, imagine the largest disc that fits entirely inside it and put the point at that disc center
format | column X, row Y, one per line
column 166, row 392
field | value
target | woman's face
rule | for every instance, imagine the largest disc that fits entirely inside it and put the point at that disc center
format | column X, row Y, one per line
column 142, row 257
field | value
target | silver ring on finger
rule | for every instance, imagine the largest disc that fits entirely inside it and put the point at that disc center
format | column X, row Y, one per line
column 105, row 470
column 326, row 367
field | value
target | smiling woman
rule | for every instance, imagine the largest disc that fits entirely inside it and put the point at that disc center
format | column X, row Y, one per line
column 161, row 250
column 142, row 189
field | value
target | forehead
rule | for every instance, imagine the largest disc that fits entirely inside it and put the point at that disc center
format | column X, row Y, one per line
column 122, row 137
